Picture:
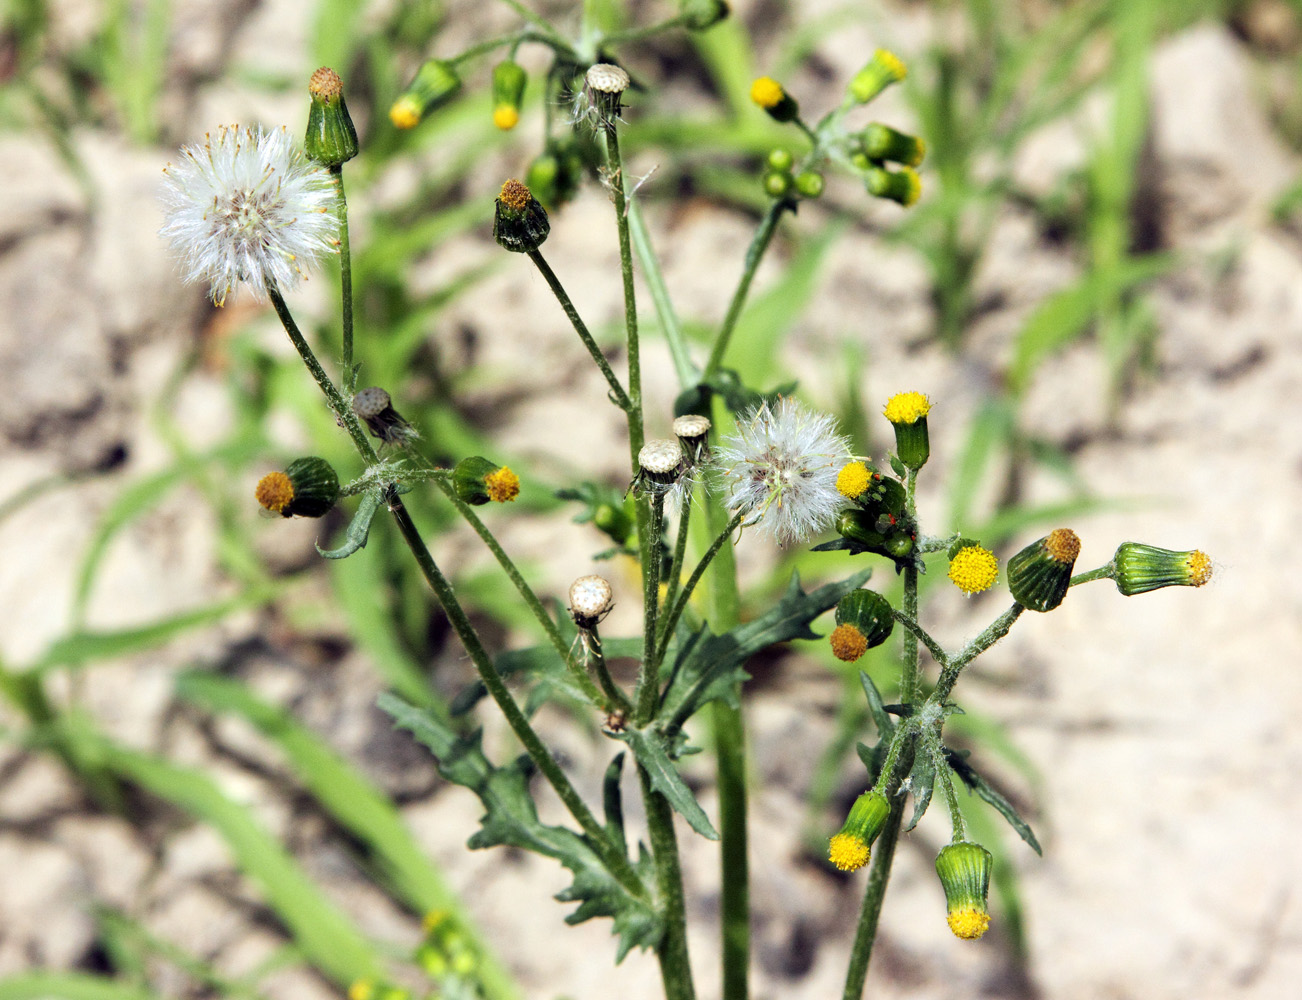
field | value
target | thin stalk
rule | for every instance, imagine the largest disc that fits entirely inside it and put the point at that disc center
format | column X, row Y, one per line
column 597, row 660
column 1108, row 572
column 670, row 620
column 646, row 693
column 951, row 797
column 618, row 395
column 649, row 31
column 670, row 325
column 539, row 22
column 995, row 631
column 933, row 647
column 754, row 253
column 675, row 963
column 522, row 588
column 676, row 566
column 615, row 172
column 345, row 280
column 865, row 933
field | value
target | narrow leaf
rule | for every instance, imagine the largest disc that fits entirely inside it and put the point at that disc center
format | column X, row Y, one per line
column 359, row 529
column 652, row 755
column 982, row 788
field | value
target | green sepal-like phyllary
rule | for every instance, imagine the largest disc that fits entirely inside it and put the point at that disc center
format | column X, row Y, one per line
column 902, row 186
column 850, row 848
column 1039, row 575
column 881, row 71
column 331, row 138
column 478, row 480
column 434, row 84
column 1139, row 568
column 308, row 487
column 698, row 15
column 863, row 621
column 964, row 870
column 882, row 143
column 509, row 79
column 519, row 222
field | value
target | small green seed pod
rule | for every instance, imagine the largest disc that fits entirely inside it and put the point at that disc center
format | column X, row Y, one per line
column 477, row 481
column 698, row 15
column 850, row 848
column 882, row 143
column 777, row 183
column 1139, row 568
column 964, row 870
column 907, row 412
column 308, row 487
column 434, row 84
column 331, row 138
column 882, row 70
column 769, row 95
column 519, row 221
column 902, row 186
column 509, row 80
column 863, row 621
column 1039, row 575
column 810, row 183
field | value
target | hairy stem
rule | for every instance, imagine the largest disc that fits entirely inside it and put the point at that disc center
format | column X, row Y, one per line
column 754, row 254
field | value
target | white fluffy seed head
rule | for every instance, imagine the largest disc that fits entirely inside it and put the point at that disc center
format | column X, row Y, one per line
column 779, row 469
column 661, row 456
column 692, row 425
column 590, row 597
column 370, row 403
column 607, row 78
column 248, row 206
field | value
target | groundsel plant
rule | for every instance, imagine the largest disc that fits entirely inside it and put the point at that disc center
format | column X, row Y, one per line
column 248, row 208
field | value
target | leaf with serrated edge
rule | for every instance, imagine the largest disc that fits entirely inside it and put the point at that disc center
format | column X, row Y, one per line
column 652, row 754
column 511, row 818
column 922, row 780
column 968, row 775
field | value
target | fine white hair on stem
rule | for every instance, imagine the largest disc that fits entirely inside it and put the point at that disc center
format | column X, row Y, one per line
column 779, row 469
column 247, row 205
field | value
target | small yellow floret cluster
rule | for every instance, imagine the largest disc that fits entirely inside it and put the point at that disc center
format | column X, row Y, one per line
column 1062, row 545
column 907, row 408
column 766, row 92
column 274, row 491
column 847, row 852
column 853, row 479
column 892, row 63
column 325, row 84
column 361, row 989
column 405, row 113
column 973, row 569
column 848, row 643
column 968, row 923
column 1199, row 565
column 502, row 485
column 514, row 195
column 506, row 117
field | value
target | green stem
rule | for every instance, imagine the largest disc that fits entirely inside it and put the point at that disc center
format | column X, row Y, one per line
column 597, row 660
column 618, row 395
column 947, row 783
column 522, row 587
column 539, row 22
column 734, row 859
column 754, row 253
column 675, row 963
column 670, row 325
column 676, row 567
column 1108, row 572
column 865, row 932
column 615, row 173
column 345, row 280
column 646, row 694
column 649, row 31
column 995, row 631
column 933, row 647
column 670, row 620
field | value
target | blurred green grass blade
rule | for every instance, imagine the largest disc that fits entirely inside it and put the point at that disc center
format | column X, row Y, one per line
column 726, row 50
column 49, row 985
column 84, row 646
column 336, row 34
column 989, row 433
column 329, row 940
column 688, row 374
column 133, row 58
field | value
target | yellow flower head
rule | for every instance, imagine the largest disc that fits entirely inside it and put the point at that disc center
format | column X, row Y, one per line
column 405, row 112
column 848, row 643
column 907, row 408
column 506, row 117
column 848, row 852
column 968, row 922
column 973, row 569
column 766, row 92
column 853, row 479
column 1062, row 545
column 502, row 485
column 362, row 989
column 1199, row 568
column 274, row 491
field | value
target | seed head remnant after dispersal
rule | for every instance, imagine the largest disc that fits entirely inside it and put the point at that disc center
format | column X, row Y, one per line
column 247, row 205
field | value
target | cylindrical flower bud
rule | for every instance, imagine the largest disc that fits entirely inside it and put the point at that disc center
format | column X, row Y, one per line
column 907, row 412
column 860, row 527
column 769, row 95
column 374, row 408
column 972, row 567
column 477, row 480
column 590, row 600
column 882, row 70
column 698, row 15
column 863, row 621
column 1139, row 568
column 692, row 431
column 434, row 84
column 605, row 84
column 308, row 487
column 881, row 142
column 509, row 79
column 519, row 222
column 614, row 521
column 331, row 138
column 660, row 464
column 903, row 186
column 850, row 849
column 1039, row 575
column 964, row 870
column 810, row 183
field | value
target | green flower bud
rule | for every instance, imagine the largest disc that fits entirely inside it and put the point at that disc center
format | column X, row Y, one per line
column 810, row 183
column 777, row 183
column 308, row 487
column 850, row 849
column 769, row 95
column 478, row 480
column 902, row 186
column 781, row 159
column 1039, row 575
column 964, row 870
column 859, row 160
column 614, row 522
column 331, row 138
column 863, row 620
column 698, row 15
column 1139, row 568
column 519, row 221
column 907, row 412
column 882, row 70
column 509, row 79
column 881, row 142
column 434, row 84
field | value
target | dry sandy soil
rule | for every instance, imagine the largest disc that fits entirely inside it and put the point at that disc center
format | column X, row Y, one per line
column 1161, row 725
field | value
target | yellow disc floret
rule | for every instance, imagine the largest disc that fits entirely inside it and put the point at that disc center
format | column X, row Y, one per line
column 848, row 643
column 973, row 569
column 274, row 491
column 892, row 63
column 361, row 989
column 514, row 195
column 1062, row 545
column 907, row 408
column 967, row 922
column 405, row 113
column 847, row 852
column 853, row 479
column 506, row 117
column 1200, row 568
column 502, row 485
column 766, row 92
